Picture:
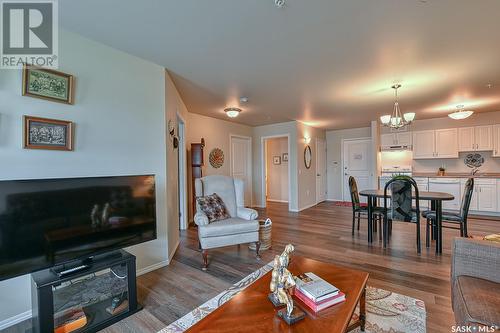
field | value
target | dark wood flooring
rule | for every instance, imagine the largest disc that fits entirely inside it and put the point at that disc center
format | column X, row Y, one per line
column 322, row 232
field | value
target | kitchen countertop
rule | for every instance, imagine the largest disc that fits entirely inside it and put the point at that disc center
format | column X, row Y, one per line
column 457, row 175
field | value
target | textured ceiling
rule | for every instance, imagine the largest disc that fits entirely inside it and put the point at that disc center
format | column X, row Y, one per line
column 328, row 63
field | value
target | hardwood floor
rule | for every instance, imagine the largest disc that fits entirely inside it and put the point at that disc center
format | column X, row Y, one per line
column 322, row 232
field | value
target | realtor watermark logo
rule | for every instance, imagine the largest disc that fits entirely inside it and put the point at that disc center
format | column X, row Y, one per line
column 29, row 33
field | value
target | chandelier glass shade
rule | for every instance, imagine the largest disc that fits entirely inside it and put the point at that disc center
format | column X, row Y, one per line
column 460, row 113
column 397, row 119
column 232, row 112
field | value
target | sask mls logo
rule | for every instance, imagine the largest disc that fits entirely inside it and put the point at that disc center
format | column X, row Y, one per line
column 29, row 33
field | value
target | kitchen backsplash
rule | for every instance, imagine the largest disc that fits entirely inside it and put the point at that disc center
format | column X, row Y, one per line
column 391, row 158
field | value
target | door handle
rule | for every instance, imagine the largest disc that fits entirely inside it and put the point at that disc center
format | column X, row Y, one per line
column 318, row 175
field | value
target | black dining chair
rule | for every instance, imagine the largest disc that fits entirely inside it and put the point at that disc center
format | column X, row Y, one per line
column 401, row 209
column 452, row 218
column 358, row 210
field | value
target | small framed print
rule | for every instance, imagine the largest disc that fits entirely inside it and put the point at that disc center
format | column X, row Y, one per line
column 47, row 84
column 285, row 157
column 51, row 134
column 276, row 160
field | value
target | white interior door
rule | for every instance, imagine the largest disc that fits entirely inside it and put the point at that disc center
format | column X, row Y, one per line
column 320, row 170
column 241, row 164
column 357, row 163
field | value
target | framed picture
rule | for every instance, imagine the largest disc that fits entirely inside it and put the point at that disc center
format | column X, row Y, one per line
column 276, row 160
column 285, row 157
column 47, row 84
column 42, row 133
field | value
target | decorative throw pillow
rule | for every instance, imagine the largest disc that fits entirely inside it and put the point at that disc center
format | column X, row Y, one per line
column 213, row 206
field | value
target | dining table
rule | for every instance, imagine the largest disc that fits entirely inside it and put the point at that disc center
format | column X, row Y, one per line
column 436, row 199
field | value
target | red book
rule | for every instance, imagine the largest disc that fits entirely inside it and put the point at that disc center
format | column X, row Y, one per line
column 339, row 298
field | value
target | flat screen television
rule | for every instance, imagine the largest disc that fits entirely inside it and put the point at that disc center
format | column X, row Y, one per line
column 49, row 222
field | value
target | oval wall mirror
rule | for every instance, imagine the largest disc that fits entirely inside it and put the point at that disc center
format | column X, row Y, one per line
column 307, row 156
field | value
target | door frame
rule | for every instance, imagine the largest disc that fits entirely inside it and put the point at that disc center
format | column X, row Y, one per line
column 250, row 161
column 182, row 173
column 263, row 161
column 317, row 165
column 367, row 138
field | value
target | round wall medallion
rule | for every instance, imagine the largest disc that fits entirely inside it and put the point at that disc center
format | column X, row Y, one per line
column 474, row 160
column 216, row 158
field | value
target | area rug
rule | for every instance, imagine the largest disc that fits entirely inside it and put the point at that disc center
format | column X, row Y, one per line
column 386, row 311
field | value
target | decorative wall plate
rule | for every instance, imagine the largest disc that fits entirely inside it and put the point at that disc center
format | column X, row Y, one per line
column 216, row 158
column 474, row 160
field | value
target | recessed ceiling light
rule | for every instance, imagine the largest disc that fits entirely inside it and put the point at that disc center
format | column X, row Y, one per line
column 243, row 99
column 279, row 3
column 232, row 112
column 489, row 85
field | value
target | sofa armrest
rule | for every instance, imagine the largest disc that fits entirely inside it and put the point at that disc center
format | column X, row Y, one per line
column 200, row 218
column 476, row 258
column 247, row 213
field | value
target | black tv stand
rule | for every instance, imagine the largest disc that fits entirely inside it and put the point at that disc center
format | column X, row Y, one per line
column 59, row 290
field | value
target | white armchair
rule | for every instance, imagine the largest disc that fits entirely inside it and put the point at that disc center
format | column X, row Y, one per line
column 241, row 228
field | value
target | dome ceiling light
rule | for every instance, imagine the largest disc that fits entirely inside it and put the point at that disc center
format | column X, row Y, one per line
column 232, row 112
column 460, row 113
column 397, row 119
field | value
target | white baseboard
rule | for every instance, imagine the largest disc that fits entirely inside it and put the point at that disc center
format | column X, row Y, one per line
column 308, row 206
column 152, row 267
column 274, row 200
column 15, row 320
column 259, row 206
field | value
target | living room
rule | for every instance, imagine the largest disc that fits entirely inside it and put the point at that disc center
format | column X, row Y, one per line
column 296, row 115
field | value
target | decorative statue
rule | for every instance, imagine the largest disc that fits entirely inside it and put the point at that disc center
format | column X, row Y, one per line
column 105, row 214
column 282, row 282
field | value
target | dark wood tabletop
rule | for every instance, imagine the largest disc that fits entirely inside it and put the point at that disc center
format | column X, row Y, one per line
column 423, row 195
column 251, row 311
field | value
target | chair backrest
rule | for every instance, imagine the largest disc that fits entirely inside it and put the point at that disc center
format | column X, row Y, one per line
column 466, row 198
column 353, row 188
column 224, row 187
column 401, row 198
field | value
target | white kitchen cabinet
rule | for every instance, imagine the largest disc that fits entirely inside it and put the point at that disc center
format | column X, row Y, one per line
column 466, row 139
column 432, row 144
column 423, row 144
column 446, row 143
column 496, row 142
column 485, row 196
column 395, row 139
column 483, row 137
column 479, row 138
column 423, row 186
column 498, row 194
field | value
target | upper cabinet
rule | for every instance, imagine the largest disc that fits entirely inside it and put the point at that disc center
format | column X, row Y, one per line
column 431, row 144
column 479, row 138
column 395, row 139
column 496, row 141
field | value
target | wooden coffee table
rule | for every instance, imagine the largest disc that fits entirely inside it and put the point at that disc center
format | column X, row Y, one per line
column 251, row 311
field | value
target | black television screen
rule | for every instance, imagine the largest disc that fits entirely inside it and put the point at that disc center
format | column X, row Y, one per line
column 48, row 222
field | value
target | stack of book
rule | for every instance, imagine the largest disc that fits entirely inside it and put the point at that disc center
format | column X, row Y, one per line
column 316, row 293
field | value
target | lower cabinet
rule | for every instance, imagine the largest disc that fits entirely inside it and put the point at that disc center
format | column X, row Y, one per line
column 485, row 196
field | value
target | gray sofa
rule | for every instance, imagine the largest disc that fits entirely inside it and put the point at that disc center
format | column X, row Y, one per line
column 241, row 228
column 475, row 282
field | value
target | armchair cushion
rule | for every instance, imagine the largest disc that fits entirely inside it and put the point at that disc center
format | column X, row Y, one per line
column 231, row 226
column 476, row 301
column 247, row 213
column 213, row 207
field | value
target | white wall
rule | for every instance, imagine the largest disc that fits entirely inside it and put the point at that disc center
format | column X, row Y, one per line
column 217, row 135
column 334, row 157
column 307, row 177
column 259, row 133
column 119, row 114
column 277, row 174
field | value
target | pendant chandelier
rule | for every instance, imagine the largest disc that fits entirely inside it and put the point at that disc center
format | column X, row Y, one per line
column 397, row 119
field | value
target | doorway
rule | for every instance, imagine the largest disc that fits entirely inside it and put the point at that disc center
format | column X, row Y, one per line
column 356, row 160
column 320, row 170
column 276, row 169
column 182, row 173
column 241, row 163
